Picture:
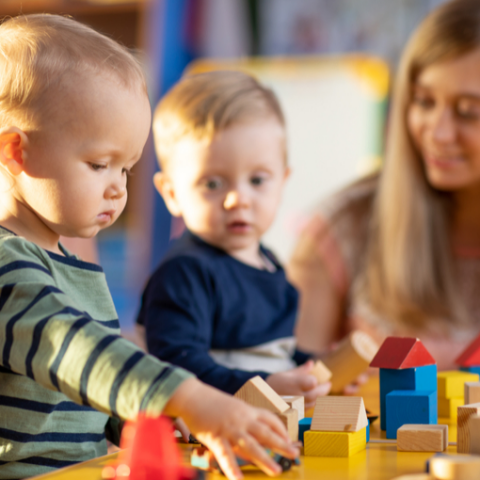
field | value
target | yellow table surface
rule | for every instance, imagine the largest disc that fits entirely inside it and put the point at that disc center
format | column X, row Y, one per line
column 380, row 461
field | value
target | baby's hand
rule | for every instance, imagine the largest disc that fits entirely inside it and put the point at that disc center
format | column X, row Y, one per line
column 299, row 381
column 228, row 426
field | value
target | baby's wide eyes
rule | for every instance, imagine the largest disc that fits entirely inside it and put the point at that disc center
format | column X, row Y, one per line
column 257, row 180
column 213, row 184
column 97, row 166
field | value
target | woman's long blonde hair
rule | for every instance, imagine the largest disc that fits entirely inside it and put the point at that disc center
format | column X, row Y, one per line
column 408, row 273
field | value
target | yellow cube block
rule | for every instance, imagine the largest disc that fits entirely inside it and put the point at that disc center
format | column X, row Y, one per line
column 451, row 383
column 334, row 444
column 447, row 407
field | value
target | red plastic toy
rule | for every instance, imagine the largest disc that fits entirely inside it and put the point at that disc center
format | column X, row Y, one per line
column 402, row 352
column 151, row 453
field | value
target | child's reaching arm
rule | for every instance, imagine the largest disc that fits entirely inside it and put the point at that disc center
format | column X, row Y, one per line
column 48, row 338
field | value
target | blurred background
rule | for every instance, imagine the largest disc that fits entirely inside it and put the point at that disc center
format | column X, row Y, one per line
column 330, row 62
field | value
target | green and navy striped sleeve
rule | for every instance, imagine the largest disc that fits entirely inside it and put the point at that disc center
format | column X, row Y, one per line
column 60, row 345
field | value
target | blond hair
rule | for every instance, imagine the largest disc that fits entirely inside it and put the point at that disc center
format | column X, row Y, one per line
column 39, row 54
column 199, row 106
column 408, row 275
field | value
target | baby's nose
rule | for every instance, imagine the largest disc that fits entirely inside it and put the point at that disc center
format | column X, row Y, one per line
column 235, row 199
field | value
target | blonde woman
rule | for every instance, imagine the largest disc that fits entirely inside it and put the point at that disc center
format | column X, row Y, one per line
column 399, row 253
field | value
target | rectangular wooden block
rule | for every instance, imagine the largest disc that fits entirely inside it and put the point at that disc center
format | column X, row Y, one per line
column 422, row 438
column 418, row 378
column 451, row 383
column 258, row 393
column 474, row 430
column 448, row 407
column 463, row 432
column 339, row 414
column 296, row 402
column 334, row 444
column 290, row 420
column 472, row 392
column 406, row 406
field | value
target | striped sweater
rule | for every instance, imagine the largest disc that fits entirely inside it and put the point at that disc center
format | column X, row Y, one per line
column 64, row 369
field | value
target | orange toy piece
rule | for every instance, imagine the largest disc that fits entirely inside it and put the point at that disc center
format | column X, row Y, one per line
column 151, row 453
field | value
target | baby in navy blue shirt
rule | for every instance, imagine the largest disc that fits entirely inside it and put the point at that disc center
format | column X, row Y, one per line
column 219, row 304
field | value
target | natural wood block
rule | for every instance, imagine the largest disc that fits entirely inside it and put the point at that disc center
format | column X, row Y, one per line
column 463, row 432
column 422, row 438
column 455, row 467
column 258, row 393
column 339, row 414
column 290, row 420
column 474, row 431
column 334, row 444
column 472, row 392
column 451, row 383
column 351, row 358
column 296, row 402
column 321, row 372
column 448, row 407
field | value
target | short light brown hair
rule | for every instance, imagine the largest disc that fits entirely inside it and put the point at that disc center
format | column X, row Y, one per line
column 201, row 105
column 41, row 54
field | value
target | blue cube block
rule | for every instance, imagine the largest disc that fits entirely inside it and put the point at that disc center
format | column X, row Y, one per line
column 419, row 378
column 475, row 369
column 303, row 426
column 368, row 431
column 409, row 406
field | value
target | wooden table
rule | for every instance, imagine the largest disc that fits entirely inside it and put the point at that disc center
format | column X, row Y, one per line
column 380, row 461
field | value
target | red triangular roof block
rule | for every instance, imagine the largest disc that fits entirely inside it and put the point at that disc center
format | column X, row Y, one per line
column 470, row 357
column 402, row 352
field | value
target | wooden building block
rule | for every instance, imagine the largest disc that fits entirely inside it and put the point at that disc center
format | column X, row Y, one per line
column 296, row 402
column 334, row 444
column 422, row 438
column 321, row 372
column 470, row 357
column 402, row 352
column 463, row 432
column 474, row 430
column 410, row 406
column 290, row 420
column 448, row 407
column 419, row 378
column 350, row 359
column 451, row 383
column 258, row 393
column 455, row 467
column 472, row 392
column 303, row 426
column 339, row 414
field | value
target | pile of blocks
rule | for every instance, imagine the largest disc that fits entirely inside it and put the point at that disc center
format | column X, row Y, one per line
column 408, row 384
column 339, row 428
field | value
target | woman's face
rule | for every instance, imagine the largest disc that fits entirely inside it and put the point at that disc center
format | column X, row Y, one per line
column 444, row 122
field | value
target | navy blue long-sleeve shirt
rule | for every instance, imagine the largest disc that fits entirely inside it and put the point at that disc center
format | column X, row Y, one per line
column 201, row 299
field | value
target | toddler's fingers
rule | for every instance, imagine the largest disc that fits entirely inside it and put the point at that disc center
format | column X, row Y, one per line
column 351, row 389
column 307, row 382
column 251, row 449
column 225, row 458
column 273, row 422
column 183, row 429
column 264, row 435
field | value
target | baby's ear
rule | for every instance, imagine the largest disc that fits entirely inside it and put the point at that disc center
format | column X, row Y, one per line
column 165, row 188
column 13, row 144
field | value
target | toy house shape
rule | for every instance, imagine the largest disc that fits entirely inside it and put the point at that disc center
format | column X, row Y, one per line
column 405, row 364
column 469, row 359
column 258, row 393
column 339, row 414
column 402, row 352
